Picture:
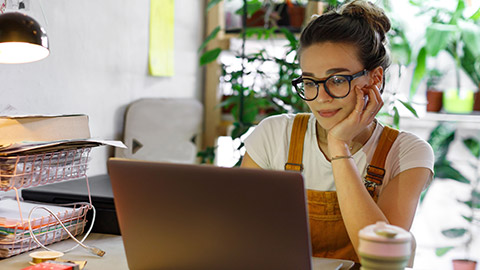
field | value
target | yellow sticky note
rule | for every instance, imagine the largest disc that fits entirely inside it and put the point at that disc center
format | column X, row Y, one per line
column 161, row 49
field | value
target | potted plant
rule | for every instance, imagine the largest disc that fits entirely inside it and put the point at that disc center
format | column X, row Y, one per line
column 249, row 99
column 476, row 101
column 292, row 14
column 452, row 32
column 256, row 92
column 441, row 138
column 434, row 93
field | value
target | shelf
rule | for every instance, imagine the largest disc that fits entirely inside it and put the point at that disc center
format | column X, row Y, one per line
column 450, row 117
column 430, row 120
column 214, row 126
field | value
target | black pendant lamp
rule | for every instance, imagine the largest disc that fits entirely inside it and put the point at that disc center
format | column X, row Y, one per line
column 22, row 39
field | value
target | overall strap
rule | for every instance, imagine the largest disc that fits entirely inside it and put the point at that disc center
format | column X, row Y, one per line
column 295, row 151
column 376, row 168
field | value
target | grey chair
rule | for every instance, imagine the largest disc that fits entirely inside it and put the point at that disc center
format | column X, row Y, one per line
column 162, row 129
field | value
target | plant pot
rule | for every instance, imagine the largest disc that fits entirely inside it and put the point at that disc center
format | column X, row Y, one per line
column 226, row 109
column 297, row 15
column 291, row 16
column 455, row 103
column 476, row 101
column 434, row 100
column 464, row 264
column 257, row 19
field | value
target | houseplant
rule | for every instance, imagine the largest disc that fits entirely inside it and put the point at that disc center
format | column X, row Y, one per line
column 434, row 91
column 249, row 99
column 259, row 91
column 440, row 139
column 450, row 31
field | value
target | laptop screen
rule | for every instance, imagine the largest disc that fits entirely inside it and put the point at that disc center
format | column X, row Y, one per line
column 179, row 216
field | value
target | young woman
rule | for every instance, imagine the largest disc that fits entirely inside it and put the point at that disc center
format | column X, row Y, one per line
column 343, row 59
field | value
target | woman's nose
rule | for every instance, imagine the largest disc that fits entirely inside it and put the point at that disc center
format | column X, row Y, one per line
column 323, row 96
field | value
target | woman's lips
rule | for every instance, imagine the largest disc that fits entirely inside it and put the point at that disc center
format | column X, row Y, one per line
column 328, row 113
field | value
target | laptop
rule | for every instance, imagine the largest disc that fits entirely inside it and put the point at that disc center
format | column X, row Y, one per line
column 183, row 216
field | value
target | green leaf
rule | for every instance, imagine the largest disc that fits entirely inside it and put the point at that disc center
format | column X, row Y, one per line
column 476, row 195
column 396, row 118
column 419, row 72
column 290, row 37
column 210, row 56
column 440, row 139
column 211, row 36
column 475, row 15
column 415, row 3
column 250, row 112
column 270, row 32
column 443, row 250
column 438, row 35
column 471, row 205
column 473, row 146
column 469, row 219
column 239, row 162
column 239, row 129
column 458, row 12
column 207, row 155
column 400, row 48
column 471, row 36
column 409, row 107
column 229, row 101
column 252, row 7
column 443, row 169
column 260, row 32
column 470, row 65
column 212, row 3
column 454, row 233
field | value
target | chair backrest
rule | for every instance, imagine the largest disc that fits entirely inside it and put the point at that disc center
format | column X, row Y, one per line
column 162, row 129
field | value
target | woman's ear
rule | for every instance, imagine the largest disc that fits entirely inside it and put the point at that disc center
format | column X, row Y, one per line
column 376, row 76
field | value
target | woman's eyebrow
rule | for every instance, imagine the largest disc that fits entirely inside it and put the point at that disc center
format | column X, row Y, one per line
column 328, row 73
column 336, row 70
column 308, row 74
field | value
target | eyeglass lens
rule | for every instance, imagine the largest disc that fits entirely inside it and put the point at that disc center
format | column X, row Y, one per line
column 337, row 86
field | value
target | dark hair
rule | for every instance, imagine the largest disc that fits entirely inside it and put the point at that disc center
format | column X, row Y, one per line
column 360, row 23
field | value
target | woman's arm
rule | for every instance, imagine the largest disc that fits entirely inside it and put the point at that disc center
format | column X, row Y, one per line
column 398, row 201
column 396, row 205
column 248, row 162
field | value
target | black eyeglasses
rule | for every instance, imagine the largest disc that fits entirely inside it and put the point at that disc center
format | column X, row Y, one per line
column 336, row 86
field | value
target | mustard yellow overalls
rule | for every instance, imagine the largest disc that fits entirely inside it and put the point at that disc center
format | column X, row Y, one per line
column 328, row 234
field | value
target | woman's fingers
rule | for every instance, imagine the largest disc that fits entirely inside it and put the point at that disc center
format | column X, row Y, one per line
column 360, row 100
column 375, row 103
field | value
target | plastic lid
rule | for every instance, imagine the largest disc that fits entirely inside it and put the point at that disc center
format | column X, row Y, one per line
column 384, row 232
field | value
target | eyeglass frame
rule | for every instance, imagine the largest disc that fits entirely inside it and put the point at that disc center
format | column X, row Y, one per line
column 349, row 78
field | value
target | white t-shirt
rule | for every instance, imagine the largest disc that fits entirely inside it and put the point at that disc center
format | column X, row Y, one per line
column 269, row 143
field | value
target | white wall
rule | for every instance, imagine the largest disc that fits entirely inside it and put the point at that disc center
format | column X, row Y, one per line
column 99, row 63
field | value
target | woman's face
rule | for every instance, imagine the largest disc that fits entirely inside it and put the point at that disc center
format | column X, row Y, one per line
column 325, row 59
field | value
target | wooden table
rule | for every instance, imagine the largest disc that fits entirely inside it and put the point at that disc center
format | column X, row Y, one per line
column 114, row 257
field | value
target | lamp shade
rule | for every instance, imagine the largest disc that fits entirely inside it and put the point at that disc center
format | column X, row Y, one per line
column 22, row 39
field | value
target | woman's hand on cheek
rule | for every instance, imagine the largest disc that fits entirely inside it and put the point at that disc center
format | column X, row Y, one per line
column 367, row 113
column 362, row 115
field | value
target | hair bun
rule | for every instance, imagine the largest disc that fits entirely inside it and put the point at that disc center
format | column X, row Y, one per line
column 367, row 11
